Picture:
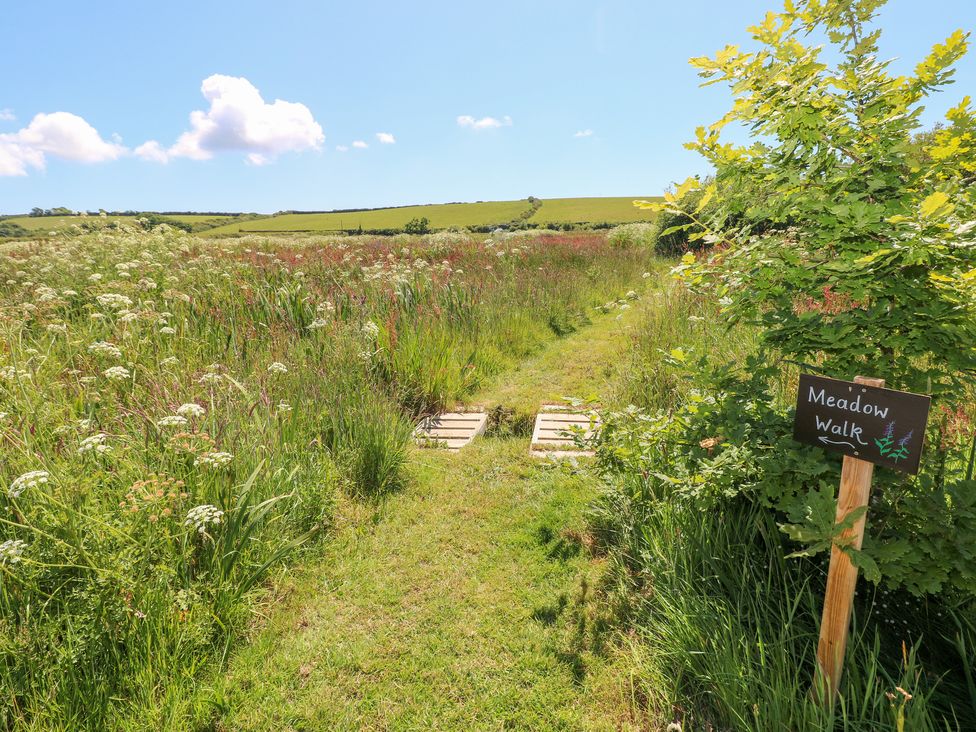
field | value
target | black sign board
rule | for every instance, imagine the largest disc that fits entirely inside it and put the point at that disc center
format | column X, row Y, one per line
column 882, row 426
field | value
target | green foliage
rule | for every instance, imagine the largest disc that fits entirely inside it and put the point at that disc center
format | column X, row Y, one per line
column 633, row 235
column 847, row 244
column 675, row 232
column 9, row 229
column 877, row 272
column 419, row 225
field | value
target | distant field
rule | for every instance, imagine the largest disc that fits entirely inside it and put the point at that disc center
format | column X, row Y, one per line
column 440, row 216
column 44, row 224
column 553, row 211
column 56, row 223
column 591, row 210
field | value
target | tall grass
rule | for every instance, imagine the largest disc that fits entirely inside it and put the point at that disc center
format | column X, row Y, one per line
column 177, row 417
column 723, row 627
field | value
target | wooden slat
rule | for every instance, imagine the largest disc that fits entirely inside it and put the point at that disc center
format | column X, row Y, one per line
column 452, row 430
column 553, row 433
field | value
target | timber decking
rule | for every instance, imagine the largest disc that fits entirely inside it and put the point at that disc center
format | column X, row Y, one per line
column 554, row 427
column 451, row 430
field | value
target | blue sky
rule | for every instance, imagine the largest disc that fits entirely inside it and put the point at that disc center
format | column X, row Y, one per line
column 543, row 71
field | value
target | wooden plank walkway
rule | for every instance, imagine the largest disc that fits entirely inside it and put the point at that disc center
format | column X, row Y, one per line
column 451, row 430
column 553, row 433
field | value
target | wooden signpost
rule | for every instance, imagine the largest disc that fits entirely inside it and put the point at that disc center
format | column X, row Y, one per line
column 870, row 425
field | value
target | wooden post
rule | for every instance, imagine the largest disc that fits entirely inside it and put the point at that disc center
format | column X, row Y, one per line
column 855, row 489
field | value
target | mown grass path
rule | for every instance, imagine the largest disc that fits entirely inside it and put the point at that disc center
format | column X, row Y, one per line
column 453, row 605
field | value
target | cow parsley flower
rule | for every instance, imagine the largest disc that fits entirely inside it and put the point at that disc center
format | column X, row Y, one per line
column 199, row 517
column 167, row 330
column 278, row 368
column 210, row 378
column 28, row 480
column 214, row 460
column 11, row 551
column 317, row 323
column 114, row 300
column 95, row 443
column 117, row 373
column 371, row 330
column 191, row 411
column 173, row 420
column 283, row 407
column 104, row 348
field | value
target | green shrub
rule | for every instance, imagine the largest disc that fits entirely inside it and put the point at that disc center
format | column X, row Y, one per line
column 417, row 226
column 628, row 236
column 674, row 231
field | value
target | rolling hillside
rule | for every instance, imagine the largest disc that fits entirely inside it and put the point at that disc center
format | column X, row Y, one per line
column 549, row 212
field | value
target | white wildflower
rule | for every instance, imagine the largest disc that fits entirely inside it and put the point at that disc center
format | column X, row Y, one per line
column 371, row 330
column 11, row 551
column 28, row 480
column 169, row 361
column 199, row 517
column 317, row 323
column 167, row 330
column 57, row 328
column 214, row 460
column 104, row 348
column 191, row 411
column 114, row 300
column 210, row 378
column 283, row 407
column 95, row 443
column 278, row 368
column 9, row 373
column 117, row 373
column 172, row 420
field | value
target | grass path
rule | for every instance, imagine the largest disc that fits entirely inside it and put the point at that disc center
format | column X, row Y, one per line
column 456, row 604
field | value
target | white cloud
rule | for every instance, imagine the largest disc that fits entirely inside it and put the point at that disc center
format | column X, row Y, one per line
column 485, row 123
column 359, row 144
column 385, row 138
column 152, row 151
column 342, row 148
column 240, row 120
column 60, row 135
column 584, row 133
column 7, row 115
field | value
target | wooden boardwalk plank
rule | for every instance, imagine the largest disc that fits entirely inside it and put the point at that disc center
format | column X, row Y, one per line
column 451, row 430
column 553, row 433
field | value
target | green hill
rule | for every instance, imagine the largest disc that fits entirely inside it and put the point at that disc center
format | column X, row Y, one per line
column 545, row 212
column 440, row 216
column 619, row 210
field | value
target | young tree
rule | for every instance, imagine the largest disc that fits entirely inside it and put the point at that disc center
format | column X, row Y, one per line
column 873, row 269
column 417, row 226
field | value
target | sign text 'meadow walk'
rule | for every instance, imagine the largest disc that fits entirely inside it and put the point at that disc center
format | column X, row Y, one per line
column 882, row 426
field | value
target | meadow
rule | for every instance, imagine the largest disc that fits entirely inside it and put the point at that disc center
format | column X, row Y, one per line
column 180, row 417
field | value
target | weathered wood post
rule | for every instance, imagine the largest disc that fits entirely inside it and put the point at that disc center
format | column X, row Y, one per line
column 855, row 490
